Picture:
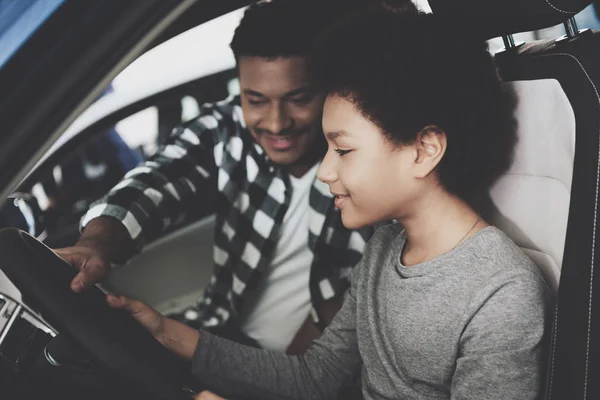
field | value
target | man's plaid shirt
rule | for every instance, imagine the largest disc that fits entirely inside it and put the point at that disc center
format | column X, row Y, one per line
column 213, row 164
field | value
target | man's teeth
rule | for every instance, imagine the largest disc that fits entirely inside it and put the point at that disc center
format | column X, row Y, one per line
column 287, row 136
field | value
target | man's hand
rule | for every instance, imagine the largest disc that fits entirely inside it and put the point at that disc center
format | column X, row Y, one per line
column 104, row 240
column 147, row 316
column 93, row 266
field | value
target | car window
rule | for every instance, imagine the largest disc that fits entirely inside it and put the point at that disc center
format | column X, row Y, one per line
column 65, row 189
column 189, row 108
column 19, row 19
column 140, row 130
column 148, row 99
column 588, row 18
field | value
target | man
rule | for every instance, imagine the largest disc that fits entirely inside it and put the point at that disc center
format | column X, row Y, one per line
column 281, row 255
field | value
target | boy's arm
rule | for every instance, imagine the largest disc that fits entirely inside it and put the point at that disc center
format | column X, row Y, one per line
column 181, row 339
column 232, row 370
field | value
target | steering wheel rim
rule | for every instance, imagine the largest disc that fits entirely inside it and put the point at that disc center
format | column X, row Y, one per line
column 111, row 337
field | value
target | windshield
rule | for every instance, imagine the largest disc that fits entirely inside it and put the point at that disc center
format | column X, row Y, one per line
column 18, row 20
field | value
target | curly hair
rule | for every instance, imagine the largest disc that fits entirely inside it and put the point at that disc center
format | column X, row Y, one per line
column 284, row 28
column 407, row 71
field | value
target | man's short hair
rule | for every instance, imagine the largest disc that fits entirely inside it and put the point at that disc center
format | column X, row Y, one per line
column 287, row 28
column 406, row 71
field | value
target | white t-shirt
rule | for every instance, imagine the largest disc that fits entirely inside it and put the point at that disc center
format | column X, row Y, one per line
column 274, row 310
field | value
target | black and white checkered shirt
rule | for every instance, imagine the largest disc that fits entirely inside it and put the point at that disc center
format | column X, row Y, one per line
column 212, row 163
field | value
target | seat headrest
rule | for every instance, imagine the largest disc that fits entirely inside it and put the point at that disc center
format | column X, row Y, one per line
column 493, row 18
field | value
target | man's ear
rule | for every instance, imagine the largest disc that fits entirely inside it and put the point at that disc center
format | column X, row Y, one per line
column 430, row 146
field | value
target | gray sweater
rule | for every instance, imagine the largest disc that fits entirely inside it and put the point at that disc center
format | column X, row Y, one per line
column 470, row 324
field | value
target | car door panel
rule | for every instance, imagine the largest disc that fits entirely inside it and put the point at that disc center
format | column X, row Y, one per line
column 172, row 271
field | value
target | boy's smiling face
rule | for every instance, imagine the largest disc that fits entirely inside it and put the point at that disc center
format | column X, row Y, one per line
column 372, row 179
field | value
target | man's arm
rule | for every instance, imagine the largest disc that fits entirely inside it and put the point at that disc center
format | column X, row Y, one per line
column 104, row 240
column 108, row 236
column 178, row 179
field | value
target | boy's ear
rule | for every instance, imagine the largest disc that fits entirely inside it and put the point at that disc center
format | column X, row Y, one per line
column 430, row 146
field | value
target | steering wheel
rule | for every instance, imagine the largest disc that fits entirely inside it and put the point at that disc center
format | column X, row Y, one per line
column 112, row 338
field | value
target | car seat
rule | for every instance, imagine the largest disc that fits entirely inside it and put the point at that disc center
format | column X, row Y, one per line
column 547, row 201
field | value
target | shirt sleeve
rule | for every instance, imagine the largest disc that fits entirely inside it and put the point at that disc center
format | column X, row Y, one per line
column 503, row 347
column 180, row 178
column 231, row 369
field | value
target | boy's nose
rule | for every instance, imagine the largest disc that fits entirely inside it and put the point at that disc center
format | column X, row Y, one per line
column 327, row 173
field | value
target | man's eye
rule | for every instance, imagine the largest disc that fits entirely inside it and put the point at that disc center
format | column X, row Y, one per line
column 302, row 100
column 256, row 102
column 342, row 152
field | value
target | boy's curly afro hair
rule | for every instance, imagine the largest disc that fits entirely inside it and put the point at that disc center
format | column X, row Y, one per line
column 407, row 71
column 287, row 28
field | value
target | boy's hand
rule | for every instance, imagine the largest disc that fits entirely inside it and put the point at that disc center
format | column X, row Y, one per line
column 206, row 395
column 150, row 319
column 175, row 336
column 92, row 265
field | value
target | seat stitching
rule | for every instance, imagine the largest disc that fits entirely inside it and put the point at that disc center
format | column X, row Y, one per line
column 554, row 334
column 551, row 178
column 587, row 353
column 558, row 9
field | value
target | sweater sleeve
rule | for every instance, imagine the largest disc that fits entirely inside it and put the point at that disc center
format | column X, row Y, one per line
column 231, row 369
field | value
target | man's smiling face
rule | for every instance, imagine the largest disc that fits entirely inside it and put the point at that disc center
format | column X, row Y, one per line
column 281, row 110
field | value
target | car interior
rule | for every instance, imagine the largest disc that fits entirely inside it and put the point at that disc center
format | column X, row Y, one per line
column 187, row 241
column 547, row 202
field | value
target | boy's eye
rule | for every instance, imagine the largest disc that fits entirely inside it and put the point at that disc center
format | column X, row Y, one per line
column 342, row 152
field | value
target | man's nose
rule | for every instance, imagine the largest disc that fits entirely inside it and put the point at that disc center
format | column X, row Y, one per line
column 277, row 120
